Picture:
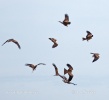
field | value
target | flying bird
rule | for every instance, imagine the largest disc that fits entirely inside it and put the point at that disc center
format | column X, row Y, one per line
column 96, row 56
column 34, row 66
column 14, row 41
column 54, row 41
column 65, row 80
column 66, row 20
column 69, row 72
column 56, row 70
column 88, row 36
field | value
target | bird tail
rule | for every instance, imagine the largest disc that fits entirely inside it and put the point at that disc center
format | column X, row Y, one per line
column 65, row 71
column 83, row 39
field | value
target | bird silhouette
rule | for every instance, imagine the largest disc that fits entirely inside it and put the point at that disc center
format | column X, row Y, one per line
column 54, row 41
column 96, row 56
column 14, row 41
column 56, row 70
column 69, row 72
column 34, row 66
column 88, row 36
column 66, row 20
column 65, row 80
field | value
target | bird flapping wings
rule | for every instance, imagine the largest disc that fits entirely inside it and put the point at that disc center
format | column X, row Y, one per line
column 12, row 40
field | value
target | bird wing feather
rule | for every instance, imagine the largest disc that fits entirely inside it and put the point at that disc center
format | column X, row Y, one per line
column 56, row 69
column 69, row 66
column 66, row 18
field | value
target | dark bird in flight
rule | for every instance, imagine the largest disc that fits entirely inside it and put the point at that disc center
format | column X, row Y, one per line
column 66, row 20
column 34, row 66
column 88, row 36
column 65, row 80
column 69, row 72
column 54, row 41
column 56, row 70
column 96, row 56
column 14, row 41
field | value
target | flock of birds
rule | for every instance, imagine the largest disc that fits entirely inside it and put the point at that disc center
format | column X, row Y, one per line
column 65, row 22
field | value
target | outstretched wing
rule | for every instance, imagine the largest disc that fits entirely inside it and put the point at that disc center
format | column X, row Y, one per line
column 41, row 64
column 63, row 77
column 53, row 40
column 30, row 65
column 69, row 66
column 70, row 78
column 56, row 69
column 9, row 40
column 14, row 41
column 54, row 45
column 89, row 33
column 97, row 54
column 95, row 59
column 66, row 18
column 17, row 44
column 4, row 42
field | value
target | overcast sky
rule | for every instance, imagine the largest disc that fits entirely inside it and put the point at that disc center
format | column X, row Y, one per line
column 31, row 23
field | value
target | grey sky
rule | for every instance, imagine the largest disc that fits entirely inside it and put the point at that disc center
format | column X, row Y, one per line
column 31, row 23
